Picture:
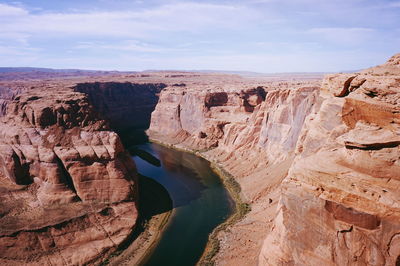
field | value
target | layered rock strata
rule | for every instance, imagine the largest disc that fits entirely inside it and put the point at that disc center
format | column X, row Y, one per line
column 346, row 175
column 319, row 166
column 68, row 187
column 252, row 134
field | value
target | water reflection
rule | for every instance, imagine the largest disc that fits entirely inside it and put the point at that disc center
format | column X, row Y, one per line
column 181, row 173
column 200, row 203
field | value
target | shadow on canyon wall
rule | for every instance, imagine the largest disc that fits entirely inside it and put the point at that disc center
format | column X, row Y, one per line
column 125, row 105
column 154, row 199
column 128, row 107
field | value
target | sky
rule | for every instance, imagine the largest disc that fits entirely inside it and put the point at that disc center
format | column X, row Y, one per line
column 250, row 35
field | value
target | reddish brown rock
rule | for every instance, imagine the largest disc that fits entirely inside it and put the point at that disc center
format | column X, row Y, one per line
column 319, row 167
column 119, row 102
column 68, row 193
column 256, row 145
column 346, row 175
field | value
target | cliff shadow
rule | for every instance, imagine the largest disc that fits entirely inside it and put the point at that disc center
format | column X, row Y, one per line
column 144, row 155
column 154, row 199
column 133, row 136
column 126, row 105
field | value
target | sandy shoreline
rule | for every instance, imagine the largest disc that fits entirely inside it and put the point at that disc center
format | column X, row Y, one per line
column 142, row 246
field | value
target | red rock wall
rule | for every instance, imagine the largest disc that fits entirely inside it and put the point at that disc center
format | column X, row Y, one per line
column 196, row 118
column 339, row 202
column 256, row 145
column 69, row 189
column 320, row 167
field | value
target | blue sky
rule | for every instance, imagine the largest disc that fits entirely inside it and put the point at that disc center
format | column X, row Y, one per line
column 251, row 35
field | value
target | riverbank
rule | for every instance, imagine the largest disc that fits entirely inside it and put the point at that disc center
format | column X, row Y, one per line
column 234, row 190
column 155, row 210
column 139, row 250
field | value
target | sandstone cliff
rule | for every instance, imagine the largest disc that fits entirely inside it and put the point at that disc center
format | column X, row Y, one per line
column 339, row 204
column 320, row 166
column 251, row 133
column 68, row 187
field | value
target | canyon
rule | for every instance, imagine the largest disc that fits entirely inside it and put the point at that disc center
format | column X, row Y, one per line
column 316, row 160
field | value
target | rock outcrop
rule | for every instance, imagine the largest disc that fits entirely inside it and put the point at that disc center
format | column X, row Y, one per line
column 319, row 166
column 251, row 133
column 345, row 175
column 196, row 118
column 68, row 187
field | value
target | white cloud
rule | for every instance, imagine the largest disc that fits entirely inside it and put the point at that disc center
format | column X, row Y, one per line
column 336, row 30
column 264, row 62
column 259, row 35
column 11, row 11
column 186, row 17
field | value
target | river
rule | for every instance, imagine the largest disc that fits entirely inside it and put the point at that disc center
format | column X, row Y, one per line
column 200, row 203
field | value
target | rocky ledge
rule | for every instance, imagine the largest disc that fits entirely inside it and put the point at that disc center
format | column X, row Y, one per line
column 68, row 187
column 319, row 165
column 339, row 204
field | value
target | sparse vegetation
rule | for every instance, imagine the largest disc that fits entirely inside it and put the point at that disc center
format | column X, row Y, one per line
column 234, row 189
column 241, row 209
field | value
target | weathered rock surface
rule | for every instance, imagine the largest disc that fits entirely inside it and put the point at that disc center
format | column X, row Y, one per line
column 320, row 166
column 346, row 177
column 68, row 193
column 252, row 133
column 68, row 187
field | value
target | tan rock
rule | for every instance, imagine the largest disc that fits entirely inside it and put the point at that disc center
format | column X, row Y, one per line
column 345, row 175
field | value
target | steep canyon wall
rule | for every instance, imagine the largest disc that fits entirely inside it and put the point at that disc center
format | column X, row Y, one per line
column 319, row 166
column 252, row 134
column 339, row 204
column 125, row 105
column 68, row 187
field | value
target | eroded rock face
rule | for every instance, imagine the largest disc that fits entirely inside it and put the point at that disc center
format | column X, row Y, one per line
column 68, row 186
column 320, row 166
column 256, row 145
column 346, row 177
column 197, row 118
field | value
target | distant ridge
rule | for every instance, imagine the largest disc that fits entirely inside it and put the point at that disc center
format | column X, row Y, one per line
column 52, row 70
column 29, row 73
column 82, row 72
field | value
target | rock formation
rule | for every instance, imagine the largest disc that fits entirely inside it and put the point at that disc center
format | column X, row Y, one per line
column 349, row 213
column 251, row 133
column 318, row 163
column 320, row 166
column 68, row 187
